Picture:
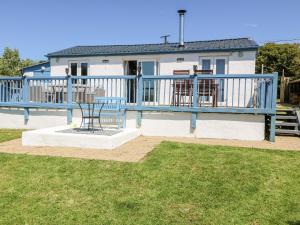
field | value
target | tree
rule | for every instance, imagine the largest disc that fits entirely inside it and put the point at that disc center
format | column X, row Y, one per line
column 11, row 63
column 28, row 62
column 279, row 57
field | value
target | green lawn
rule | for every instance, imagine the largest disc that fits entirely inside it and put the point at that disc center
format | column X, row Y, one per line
column 9, row 134
column 176, row 184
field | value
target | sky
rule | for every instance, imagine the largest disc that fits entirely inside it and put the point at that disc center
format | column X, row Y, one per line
column 38, row 27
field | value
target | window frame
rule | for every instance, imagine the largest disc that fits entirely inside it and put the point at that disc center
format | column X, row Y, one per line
column 79, row 62
column 213, row 61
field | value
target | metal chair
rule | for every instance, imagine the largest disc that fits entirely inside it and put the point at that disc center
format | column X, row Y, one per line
column 111, row 108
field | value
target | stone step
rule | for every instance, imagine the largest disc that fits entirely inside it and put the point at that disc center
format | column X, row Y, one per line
column 284, row 131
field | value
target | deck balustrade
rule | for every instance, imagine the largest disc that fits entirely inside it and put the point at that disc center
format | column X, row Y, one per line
column 230, row 93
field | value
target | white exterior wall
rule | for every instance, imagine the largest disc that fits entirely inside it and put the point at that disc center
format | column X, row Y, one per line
column 236, row 64
column 169, row 124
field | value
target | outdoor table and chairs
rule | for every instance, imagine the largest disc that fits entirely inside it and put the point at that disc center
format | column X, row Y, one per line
column 183, row 89
column 110, row 109
column 51, row 93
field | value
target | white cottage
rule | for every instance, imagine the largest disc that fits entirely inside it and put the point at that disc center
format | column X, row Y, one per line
column 226, row 56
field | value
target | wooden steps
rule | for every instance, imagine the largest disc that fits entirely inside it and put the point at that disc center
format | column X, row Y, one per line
column 285, row 110
column 284, row 117
column 287, row 122
column 284, row 131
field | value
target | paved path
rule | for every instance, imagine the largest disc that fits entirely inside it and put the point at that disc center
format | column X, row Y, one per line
column 138, row 148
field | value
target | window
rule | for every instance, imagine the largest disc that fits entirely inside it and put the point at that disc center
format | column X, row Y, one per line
column 220, row 69
column 84, row 69
column 206, row 64
column 74, row 69
column 220, row 66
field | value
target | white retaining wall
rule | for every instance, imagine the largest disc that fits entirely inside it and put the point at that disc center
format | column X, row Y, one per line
column 171, row 124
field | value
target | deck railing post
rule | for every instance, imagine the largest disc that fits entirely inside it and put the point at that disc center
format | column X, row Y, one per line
column 268, row 97
column 69, row 99
column 273, row 107
column 139, row 100
column 26, row 99
column 195, row 98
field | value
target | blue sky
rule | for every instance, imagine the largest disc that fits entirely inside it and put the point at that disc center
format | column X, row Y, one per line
column 37, row 27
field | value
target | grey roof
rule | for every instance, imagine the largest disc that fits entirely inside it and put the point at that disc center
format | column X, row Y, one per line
column 169, row 48
column 46, row 63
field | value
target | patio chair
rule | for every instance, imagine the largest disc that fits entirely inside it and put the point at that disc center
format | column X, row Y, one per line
column 182, row 89
column 112, row 110
column 81, row 93
column 99, row 92
column 48, row 92
column 207, row 88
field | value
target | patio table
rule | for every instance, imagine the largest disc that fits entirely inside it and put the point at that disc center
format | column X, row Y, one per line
column 88, row 112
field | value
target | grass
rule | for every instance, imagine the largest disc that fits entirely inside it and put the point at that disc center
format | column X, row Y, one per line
column 286, row 106
column 9, row 134
column 176, row 184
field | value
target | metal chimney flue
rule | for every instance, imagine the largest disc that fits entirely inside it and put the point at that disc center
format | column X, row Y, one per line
column 181, row 13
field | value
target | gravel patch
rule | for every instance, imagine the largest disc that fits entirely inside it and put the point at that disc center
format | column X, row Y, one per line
column 104, row 132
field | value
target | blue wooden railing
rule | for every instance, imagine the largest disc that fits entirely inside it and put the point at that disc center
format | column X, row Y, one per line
column 231, row 93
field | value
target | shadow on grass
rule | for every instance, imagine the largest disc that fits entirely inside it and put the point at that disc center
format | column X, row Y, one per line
column 293, row 222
